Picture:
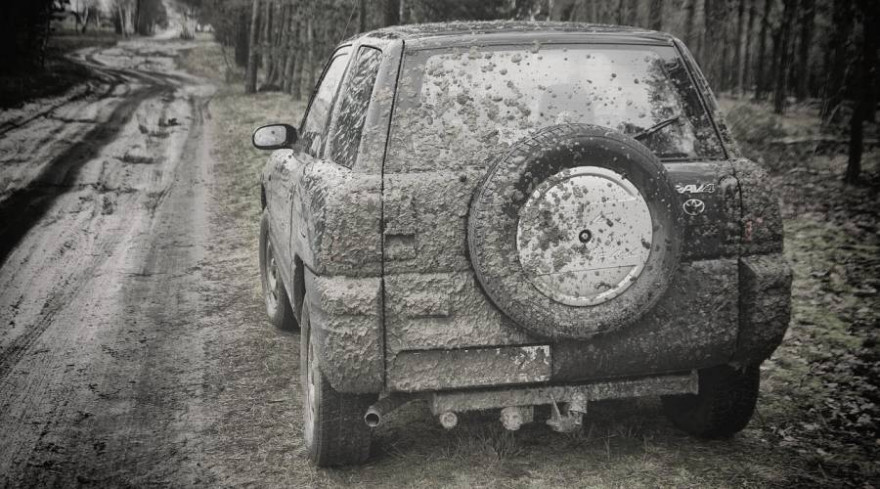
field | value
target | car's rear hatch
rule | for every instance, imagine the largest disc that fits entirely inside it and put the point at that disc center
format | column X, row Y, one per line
column 455, row 112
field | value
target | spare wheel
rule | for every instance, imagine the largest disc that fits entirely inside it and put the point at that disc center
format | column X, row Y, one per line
column 574, row 232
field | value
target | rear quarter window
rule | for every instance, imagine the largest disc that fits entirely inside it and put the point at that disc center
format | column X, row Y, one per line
column 314, row 126
column 354, row 99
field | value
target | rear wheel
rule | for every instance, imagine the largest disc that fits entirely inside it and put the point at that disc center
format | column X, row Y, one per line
column 333, row 423
column 274, row 294
column 724, row 405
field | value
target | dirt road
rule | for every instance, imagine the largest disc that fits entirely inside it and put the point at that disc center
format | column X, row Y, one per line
column 103, row 218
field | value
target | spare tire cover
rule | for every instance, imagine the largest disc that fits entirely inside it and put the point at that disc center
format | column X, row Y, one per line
column 574, row 232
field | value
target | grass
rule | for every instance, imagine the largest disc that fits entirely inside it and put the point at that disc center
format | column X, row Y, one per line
column 807, row 431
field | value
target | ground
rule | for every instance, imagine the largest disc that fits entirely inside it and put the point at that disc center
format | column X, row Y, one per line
column 135, row 350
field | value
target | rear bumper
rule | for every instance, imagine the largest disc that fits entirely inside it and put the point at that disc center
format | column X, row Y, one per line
column 471, row 400
column 715, row 312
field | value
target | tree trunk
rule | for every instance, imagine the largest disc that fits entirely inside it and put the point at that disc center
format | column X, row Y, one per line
column 774, row 60
column 296, row 81
column 780, row 92
column 241, row 40
column 657, row 15
column 117, row 21
column 715, row 13
column 738, row 46
column 761, row 85
column 856, row 140
column 250, row 85
column 606, row 12
column 266, row 41
column 864, row 100
column 292, row 56
column 870, row 80
column 362, row 16
column 392, row 12
column 632, row 13
column 842, row 21
column 724, row 68
column 690, row 16
column 137, row 17
column 278, row 44
column 747, row 61
column 808, row 14
column 309, row 74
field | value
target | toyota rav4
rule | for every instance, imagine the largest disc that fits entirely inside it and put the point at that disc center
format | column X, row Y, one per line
column 514, row 216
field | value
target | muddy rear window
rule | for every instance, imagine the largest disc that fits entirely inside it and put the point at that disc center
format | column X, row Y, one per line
column 459, row 107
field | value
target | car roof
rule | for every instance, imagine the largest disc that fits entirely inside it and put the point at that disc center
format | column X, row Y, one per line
column 513, row 32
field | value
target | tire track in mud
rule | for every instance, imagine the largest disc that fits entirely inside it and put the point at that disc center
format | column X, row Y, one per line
column 154, row 372
column 26, row 206
column 101, row 384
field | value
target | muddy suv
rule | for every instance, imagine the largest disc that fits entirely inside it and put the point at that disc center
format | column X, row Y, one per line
column 517, row 216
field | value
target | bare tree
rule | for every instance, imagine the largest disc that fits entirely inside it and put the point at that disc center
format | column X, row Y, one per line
column 780, row 89
column 865, row 90
column 392, row 12
column 656, row 15
column 738, row 46
column 747, row 61
column 250, row 85
column 842, row 21
column 690, row 18
column 83, row 12
column 715, row 13
column 808, row 15
column 761, row 78
column 632, row 12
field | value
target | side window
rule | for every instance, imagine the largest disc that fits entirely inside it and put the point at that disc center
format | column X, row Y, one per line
column 315, row 123
column 354, row 99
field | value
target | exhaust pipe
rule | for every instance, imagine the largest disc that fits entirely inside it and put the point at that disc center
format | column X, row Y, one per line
column 377, row 412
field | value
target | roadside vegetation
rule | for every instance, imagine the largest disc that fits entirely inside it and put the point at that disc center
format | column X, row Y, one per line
column 57, row 73
column 817, row 419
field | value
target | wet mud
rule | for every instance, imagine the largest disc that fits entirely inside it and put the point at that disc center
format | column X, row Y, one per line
column 104, row 205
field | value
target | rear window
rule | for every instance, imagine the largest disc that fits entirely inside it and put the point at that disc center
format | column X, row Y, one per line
column 460, row 107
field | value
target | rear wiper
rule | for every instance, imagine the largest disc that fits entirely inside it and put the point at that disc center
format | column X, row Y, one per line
column 656, row 127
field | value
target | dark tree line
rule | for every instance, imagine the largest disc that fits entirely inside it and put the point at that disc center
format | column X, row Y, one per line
column 284, row 43
column 777, row 48
column 25, row 25
column 24, row 32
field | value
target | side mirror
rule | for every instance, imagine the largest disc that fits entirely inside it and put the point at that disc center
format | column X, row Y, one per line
column 274, row 136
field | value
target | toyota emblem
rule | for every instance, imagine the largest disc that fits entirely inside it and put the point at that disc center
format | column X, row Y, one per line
column 694, row 207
